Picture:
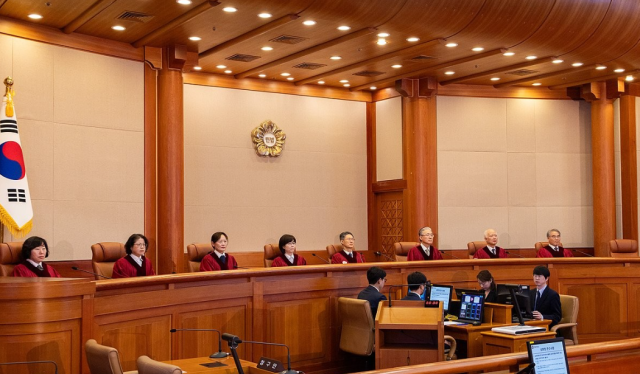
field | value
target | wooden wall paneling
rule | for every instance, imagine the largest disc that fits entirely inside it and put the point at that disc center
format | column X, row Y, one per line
column 390, row 225
column 629, row 167
column 634, row 309
column 371, row 175
column 150, row 157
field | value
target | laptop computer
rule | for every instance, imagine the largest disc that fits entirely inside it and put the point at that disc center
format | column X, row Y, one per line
column 471, row 308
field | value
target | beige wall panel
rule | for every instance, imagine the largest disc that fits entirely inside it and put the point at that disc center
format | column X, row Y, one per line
column 521, row 125
column 33, row 75
column 562, row 126
column 389, row 139
column 472, row 179
column 79, row 224
column 98, row 164
column 98, row 91
column 6, row 50
column 523, row 232
column 521, row 175
column 42, row 227
column 564, row 179
column 575, row 223
column 37, row 145
column 315, row 190
column 471, row 124
column 460, row 225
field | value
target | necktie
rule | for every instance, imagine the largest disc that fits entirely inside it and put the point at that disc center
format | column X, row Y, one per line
column 40, row 267
column 493, row 251
column 223, row 258
column 535, row 305
column 351, row 254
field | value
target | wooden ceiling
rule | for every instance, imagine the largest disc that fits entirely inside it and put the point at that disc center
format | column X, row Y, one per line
column 595, row 33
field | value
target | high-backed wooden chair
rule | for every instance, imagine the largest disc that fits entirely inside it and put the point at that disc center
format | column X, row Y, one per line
column 473, row 247
column 271, row 251
column 9, row 257
column 332, row 249
column 623, row 248
column 402, row 249
column 196, row 253
column 102, row 359
column 104, row 255
column 567, row 327
column 358, row 329
column 539, row 245
column 147, row 365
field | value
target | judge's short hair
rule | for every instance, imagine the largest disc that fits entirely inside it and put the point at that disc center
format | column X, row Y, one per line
column 424, row 229
column 344, row 235
column 216, row 236
column 553, row 230
column 132, row 240
column 284, row 240
column 30, row 244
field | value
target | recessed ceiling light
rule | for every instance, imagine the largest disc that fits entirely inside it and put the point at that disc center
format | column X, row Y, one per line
column 396, row 66
column 413, row 39
column 600, row 67
column 477, row 49
column 264, row 15
column 449, row 72
column 532, row 57
column 230, row 9
column 451, row 45
column 197, row 68
column 285, row 74
column 344, row 28
column 290, row 78
column 629, row 78
column 35, row 16
column 557, row 61
column 373, row 88
column 618, row 71
column 195, row 38
column 184, row 2
column 320, row 82
column 347, row 85
column 576, row 64
column 344, row 81
column 383, row 35
column 221, row 66
column 262, row 75
column 228, row 71
column 309, row 22
column 508, row 54
column 267, row 48
column 381, row 41
column 536, row 84
column 335, row 58
column 118, row 28
column 495, row 79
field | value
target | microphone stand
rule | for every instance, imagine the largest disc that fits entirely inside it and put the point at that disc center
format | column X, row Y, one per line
column 234, row 341
column 385, row 255
column 32, row 362
column 579, row 251
column 89, row 272
column 450, row 254
column 315, row 255
column 515, row 254
column 218, row 354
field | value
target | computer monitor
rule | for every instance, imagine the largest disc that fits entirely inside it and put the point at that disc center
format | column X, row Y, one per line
column 522, row 304
column 471, row 308
column 441, row 293
column 549, row 356
column 462, row 291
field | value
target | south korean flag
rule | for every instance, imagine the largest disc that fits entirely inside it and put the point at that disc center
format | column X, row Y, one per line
column 16, row 212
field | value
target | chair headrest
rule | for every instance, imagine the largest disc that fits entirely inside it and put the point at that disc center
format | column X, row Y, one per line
column 474, row 246
column 271, row 251
column 403, row 248
column 107, row 251
column 623, row 246
column 197, row 251
column 10, row 253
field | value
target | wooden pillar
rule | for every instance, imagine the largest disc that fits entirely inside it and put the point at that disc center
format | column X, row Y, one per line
column 629, row 167
column 171, row 161
column 420, row 154
column 372, row 212
column 152, row 63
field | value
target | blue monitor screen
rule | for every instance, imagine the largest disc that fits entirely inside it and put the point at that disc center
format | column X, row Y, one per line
column 471, row 307
column 441, row 293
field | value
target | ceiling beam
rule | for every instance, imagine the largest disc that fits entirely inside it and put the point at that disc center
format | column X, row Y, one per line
column 429, row 69
column 373, row 60
column 175, row 22
column 498, row 70
column 250, row 34
column 595, row 79
column 547, row 75
column 316, row 48
column 91, row 12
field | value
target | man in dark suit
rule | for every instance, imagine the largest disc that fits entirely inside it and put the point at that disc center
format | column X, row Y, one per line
column 419, row 282
column 545, row 302
column 376, row 277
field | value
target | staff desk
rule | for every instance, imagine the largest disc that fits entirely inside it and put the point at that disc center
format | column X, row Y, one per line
column 194, row 366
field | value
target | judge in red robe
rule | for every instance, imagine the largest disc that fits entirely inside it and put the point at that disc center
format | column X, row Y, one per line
column 288, row 257
column 135, row 263
column 348, row 255
column 218, row 259
column 424, row 251
column 34, row 251
column 491, row 250
column 554, row 248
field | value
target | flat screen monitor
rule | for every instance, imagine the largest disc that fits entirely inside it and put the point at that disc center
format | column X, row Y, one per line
column 549, row 356
column 462, row 291
column 441, row 293
column 471, row 308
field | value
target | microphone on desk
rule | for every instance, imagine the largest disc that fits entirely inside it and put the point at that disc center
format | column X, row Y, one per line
column 32, row 362
column 579, row 251
column 218, row 354
column 385, row 255
column 240, row 267
column 233, row 344
column 450, row 254
column 315, row 255
column 90, row 272
column 515, row 254
column 428, row 284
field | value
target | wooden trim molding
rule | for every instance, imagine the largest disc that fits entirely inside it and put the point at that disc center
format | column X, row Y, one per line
column 389, row 186
column 150, row 161
column 629, row 167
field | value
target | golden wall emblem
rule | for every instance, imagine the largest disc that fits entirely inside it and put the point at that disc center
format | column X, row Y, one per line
column 268, row 139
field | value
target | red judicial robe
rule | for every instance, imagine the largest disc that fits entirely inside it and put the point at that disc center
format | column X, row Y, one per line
column 417, row 254
column 211, row 262
column 485, row 253
column 26, row 269
column 127, row 267
column 547, row 251
column 282, row 260
column 342, row 258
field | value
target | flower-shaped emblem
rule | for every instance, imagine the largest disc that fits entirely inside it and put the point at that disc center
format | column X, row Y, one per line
column 268, row 139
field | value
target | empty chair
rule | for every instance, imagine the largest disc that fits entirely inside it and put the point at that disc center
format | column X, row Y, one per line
column 473, row 247
column 402, row 249
column 567, row 327
column 102, row 359
column 196, row 253
column 357, row 335
column 147, row 365
column 271, row 251
column 104, row 255
column 623, row 248
column 9, row 257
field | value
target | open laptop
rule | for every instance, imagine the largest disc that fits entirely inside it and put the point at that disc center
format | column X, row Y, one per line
column 549, row 356
column 471, row 308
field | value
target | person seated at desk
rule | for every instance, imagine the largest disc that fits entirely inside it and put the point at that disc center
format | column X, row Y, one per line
column 417, row 285
column 424, row 251
column 553, row 249
column 545, row 302
column 218, row 259
column 287, row 245
column 348, row 254
column 34, row 251
column 376, row 277
column 488, row 285
column 491, row 250
column 134, row 264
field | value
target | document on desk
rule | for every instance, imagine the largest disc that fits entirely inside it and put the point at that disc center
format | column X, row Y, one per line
column 453, row 323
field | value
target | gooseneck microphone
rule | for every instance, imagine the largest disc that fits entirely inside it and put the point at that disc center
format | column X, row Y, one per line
column 32, row 362
column 385, row 255
column 428, row 284
column 218, row 354
column 450, row 254
column 579, row 251
column 515, row 254
column 233, row 344
column 315, row 255
column 90, row 272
